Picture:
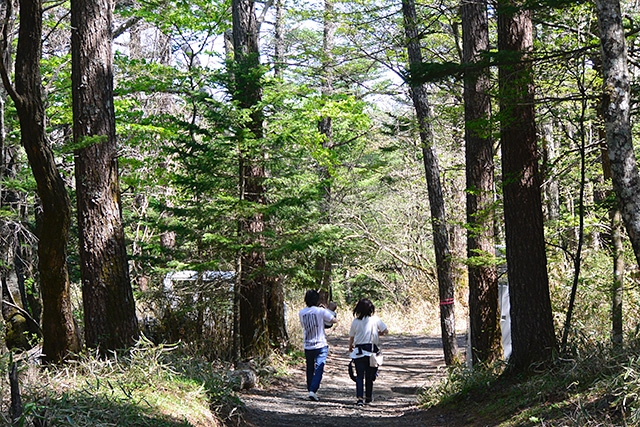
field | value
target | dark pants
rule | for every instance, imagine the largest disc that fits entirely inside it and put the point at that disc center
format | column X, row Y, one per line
column 316, row 360
column 365, row 376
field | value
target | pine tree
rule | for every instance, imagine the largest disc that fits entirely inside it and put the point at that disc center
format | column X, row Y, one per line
column 532, row 332
column 109, row 307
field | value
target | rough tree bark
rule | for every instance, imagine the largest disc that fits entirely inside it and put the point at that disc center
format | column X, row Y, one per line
column 59, row 330
column 484, row 312
column 532, row 333
column 436, row 200
column 276, row 314
column 109, row 307
column 616, row 103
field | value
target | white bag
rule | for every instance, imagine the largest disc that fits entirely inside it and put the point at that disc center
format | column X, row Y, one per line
column 375, row 360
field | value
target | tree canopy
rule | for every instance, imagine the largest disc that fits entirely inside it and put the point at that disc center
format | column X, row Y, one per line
column 282, row 141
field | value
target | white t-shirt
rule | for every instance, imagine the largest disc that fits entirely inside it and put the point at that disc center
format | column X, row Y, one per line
column 313, row 320
column 365, row 331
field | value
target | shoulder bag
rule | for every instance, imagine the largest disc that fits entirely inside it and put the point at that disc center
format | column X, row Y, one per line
column 375, row 359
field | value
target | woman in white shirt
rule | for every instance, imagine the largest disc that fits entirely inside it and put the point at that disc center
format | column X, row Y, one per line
column 364, row 339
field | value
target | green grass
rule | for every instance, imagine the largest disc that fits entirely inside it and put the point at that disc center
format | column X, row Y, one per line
column 599, row 388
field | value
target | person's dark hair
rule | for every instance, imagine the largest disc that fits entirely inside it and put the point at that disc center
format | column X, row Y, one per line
column 364, row 308
column 311, row 297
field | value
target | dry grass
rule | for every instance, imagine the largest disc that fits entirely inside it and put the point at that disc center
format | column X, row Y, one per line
column 143, row 389
column 421, row 318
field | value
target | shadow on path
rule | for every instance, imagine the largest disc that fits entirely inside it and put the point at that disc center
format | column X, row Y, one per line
column 411, row 363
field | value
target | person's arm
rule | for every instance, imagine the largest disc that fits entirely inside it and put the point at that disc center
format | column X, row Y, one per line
column 334, row 319
column 350, row 344
column 382, row 328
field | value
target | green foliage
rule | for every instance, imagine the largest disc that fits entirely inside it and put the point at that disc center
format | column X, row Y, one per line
column 179, row 168
column 189, row 19
column 434, row 71
column 86, row 142
column 362, row 286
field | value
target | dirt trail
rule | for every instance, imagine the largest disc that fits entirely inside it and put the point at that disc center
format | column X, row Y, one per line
column 410, row 363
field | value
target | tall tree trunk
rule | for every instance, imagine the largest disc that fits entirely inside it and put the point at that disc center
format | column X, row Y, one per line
column 8, row 170
column 620, row 162
column 109, row 308
column 236, row 339
column 253, row 334
column 532, row 333
column 324, row 262
column 616, row 100
column 59, row 330
column 436, row 201
column 484, row 313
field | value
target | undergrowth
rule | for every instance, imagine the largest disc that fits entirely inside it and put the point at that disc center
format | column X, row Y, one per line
column 597, row 388
column 155, row 386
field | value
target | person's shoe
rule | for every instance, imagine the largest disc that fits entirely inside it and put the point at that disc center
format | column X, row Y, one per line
column 368, row 400
column 360, row 402
column 313, row 396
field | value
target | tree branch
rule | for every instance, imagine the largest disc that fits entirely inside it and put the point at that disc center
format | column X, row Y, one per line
column 263, row 14
column 125, row 26
column 4, row 74
column 25, row 314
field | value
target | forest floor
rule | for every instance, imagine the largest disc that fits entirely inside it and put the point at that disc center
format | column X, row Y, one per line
column 411, row 363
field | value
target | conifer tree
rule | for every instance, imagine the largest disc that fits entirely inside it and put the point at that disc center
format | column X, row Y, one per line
column 247, row 92
column 109, row 307
column 484, row 313
column 532, row 332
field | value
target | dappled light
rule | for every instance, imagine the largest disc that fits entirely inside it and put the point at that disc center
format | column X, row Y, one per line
column 239, row 213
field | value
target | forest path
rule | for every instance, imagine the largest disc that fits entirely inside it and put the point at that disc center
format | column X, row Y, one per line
column 411, row 362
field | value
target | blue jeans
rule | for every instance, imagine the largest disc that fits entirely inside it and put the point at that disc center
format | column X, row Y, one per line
column 316, row 360
column 365, row 376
